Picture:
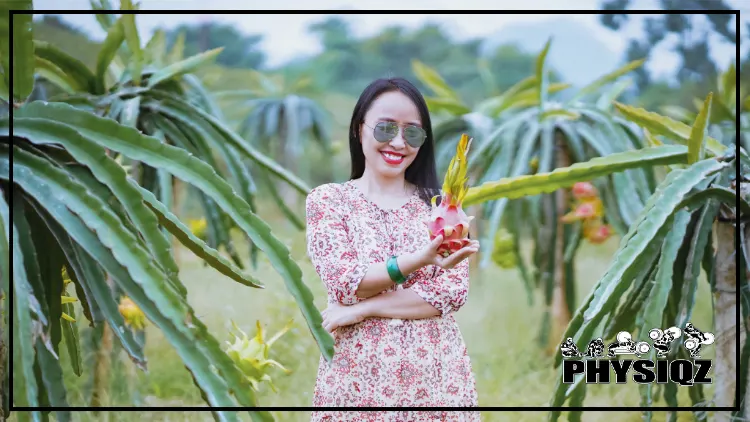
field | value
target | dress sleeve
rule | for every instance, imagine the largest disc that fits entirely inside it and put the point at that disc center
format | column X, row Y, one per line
column 446, row 290
column 329, row 247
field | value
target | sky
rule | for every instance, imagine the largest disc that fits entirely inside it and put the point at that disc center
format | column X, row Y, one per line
column 286, row 36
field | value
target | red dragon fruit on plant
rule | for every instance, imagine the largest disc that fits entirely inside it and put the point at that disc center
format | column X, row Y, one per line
column 449, row 219
column 584, row 190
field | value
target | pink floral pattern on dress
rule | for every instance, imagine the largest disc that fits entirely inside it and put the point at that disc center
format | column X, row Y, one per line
column 381, row 361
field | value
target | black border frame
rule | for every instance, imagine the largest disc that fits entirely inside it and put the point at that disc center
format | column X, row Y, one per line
column 546, row 409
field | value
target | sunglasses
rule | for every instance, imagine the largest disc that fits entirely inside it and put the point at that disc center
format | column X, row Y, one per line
column 385, row 131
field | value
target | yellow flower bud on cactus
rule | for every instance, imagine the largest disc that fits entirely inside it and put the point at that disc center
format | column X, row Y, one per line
column 534, row 165
column 251, row 355
column 65, row 277
column 198, row 227
column 68, row 317
column 133, row 315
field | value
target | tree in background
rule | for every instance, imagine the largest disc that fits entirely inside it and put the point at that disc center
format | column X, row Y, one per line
column 691, row 32
column 347, row 64
column 240, row 50
column 55, row 21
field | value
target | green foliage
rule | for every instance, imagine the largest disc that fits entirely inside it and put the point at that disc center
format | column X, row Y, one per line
column 526, row 132
column 530, row 185
column 725, row 103
column 277, row 111
column 23, row 48
column 183, row 67
column 109, row 155
column 160, row 102
column 199, row 131
column 195, row 244
column 668, row 128
column 668, row 243
column 696, row 150
column 278, row 115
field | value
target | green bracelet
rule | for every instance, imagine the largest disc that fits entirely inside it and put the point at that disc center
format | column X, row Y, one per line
column 393, row 271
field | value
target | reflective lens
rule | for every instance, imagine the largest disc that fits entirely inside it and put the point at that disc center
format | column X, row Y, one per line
column 385, row 131
column 415, row 136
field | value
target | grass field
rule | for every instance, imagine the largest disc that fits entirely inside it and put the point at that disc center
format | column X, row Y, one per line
column 498, row 325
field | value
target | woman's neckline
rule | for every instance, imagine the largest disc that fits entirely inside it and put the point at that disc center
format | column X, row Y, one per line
column 359, row 191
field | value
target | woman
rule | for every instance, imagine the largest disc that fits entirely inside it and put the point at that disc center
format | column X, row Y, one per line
column 390, row 295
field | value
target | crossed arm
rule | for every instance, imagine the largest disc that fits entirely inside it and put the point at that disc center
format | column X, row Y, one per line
column 401, row 304
column 429, row 296
column 357, row 286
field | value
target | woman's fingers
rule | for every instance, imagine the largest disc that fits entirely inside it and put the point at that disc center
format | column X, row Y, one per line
column 458, row 256
column 328, row 324
column 471, row 248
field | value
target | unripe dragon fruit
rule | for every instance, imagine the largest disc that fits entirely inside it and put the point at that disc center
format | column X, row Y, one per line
column 251, row 355
column 504, row 254
column 449, row 219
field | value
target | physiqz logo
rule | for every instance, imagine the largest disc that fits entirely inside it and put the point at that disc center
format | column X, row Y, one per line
column 595, row 362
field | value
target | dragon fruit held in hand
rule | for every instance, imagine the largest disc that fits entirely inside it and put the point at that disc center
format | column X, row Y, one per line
column 448, row 219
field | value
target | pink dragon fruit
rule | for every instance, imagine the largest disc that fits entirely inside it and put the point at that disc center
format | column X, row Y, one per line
column 584, row 190
column 449, row 219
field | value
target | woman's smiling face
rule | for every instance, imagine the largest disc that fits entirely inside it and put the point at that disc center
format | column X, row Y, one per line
column 390, row 158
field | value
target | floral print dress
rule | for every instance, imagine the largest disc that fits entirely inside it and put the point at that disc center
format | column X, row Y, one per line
column 383, row 362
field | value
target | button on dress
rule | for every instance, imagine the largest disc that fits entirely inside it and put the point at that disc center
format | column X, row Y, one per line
column 383, row 361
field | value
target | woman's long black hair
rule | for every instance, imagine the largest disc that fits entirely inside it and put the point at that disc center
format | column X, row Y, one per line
column 422, row 172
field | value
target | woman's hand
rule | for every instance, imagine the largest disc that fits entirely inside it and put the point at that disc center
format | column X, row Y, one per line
column 338, row 315
column 430, row 256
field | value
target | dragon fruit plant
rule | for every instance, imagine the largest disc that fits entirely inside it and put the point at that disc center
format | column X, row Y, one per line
column 449, row 219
